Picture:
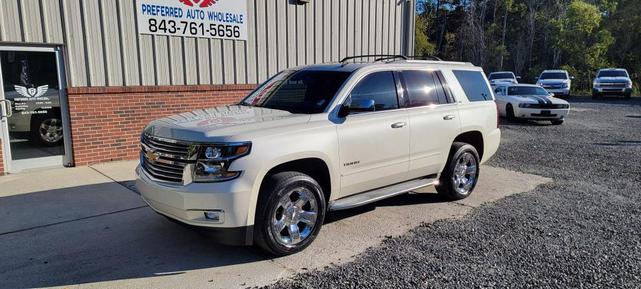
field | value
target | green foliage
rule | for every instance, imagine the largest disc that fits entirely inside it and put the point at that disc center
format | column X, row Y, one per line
column 423, row 46
column 528, row 36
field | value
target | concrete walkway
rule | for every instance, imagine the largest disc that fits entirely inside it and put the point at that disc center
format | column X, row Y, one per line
column 87, row 227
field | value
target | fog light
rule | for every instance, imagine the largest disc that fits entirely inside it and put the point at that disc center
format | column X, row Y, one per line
column 217, row 216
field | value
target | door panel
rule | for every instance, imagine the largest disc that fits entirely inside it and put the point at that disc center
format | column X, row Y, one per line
column 373, row 154
column 374, row 145
column 432, row 131
column 434, row 121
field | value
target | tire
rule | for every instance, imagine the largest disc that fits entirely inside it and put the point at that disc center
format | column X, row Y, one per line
column 46, row 129
column 509, row 113
column 557, row 122
column 627, row 96
column 279, row 208
column 596, row 95
column 462, row 164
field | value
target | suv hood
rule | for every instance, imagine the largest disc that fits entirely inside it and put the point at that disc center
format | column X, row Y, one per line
column 553, row 81
column 220, row 124
column 613, row 79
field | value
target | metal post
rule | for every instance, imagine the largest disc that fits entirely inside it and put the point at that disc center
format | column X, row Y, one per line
column 409, row 14
column 68, row 160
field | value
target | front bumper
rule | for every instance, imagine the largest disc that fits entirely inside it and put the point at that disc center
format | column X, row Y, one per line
column 541, row 114
column 559, row 91
column 188, row 204
column 611, row 90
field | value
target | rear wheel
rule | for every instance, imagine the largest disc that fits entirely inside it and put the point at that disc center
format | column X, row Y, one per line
column 460, row 175
column 291, row 210
column 509, row 113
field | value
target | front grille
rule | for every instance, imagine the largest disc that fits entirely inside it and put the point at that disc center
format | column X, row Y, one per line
column 553, row 86
column 548, row 106
column 165, row 159
column 603, row 84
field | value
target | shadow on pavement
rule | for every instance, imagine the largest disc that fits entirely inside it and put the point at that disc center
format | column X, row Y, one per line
column 606, row 100
column 86, row 234
column 103, row 232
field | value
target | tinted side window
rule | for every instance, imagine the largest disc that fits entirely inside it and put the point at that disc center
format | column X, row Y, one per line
column 380, row 87
column 421, row 88
column 473, row 84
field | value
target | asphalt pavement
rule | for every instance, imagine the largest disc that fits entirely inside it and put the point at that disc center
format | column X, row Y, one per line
column 583, row 230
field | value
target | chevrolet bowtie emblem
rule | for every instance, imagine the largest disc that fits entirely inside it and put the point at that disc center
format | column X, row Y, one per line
column 152, row 156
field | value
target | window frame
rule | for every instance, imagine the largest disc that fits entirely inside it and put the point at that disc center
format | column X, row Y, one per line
column 439, row 79
column 396, row 80
column 490, row 89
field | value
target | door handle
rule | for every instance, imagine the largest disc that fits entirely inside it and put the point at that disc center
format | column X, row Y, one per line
column 449, row 117
column 8, row 111
column 398, row 125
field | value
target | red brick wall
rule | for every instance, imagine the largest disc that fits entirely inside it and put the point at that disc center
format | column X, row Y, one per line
column 106, row 122
column 1, row 159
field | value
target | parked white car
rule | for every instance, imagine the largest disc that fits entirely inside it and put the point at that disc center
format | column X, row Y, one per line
column 503, row 77
column 612, row 81
column 530, row 102
column 558, row 82
column 315, row 139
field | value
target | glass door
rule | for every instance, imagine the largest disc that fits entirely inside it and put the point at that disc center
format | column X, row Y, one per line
column 32, row 111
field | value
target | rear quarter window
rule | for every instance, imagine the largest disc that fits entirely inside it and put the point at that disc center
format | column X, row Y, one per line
column 473, row 84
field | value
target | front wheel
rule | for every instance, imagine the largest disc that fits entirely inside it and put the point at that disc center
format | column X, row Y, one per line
column 509, row 113
column 290, row 212
column 47, row 129
column 461, row 172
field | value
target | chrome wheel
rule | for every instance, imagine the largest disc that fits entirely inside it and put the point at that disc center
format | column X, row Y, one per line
column 51, row 130
column 294, row 217
column 464, row 176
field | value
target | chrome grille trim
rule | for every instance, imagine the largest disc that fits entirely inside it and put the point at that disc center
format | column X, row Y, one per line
column 172, row 158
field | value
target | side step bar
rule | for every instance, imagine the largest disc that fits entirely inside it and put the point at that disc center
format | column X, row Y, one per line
column 380, row 194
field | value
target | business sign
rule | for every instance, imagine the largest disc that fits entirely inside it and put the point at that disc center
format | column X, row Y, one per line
column 226, row 19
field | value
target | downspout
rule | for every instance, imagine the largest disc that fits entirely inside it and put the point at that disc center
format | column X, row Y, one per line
column 408, row 28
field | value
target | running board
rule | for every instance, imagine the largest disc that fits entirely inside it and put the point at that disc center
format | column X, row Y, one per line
column 380, row 194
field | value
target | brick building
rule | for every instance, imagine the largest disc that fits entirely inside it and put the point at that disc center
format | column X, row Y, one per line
column 80, row 79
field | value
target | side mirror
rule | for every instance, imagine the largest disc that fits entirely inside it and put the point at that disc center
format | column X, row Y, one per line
column 551, row 94
column 358, row 105
column 362, row 105
column 536, row 78
column 572, row 77
column 518, row 77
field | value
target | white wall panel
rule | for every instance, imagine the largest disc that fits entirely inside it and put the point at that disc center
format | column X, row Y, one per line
column 103, row 48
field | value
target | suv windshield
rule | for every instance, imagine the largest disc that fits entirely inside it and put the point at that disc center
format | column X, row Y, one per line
column 613, row 73
column 304, row 91
column 553, row 75
column 502, row 75
column 526, row 90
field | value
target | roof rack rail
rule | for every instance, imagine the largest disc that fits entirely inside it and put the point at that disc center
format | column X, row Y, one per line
column 381, row 57
column 426, row 57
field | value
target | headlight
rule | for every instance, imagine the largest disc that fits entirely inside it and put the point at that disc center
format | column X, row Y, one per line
column 595, row 83
column 564, row 85
column 214, row 161
column 628, row 84
column 525, row 105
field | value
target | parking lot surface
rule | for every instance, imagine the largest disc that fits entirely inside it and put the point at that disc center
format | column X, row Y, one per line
column 87, row 228
column 581, row 231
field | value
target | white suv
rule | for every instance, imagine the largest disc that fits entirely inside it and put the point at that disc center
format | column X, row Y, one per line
column 315, row 139
column 558, row 82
